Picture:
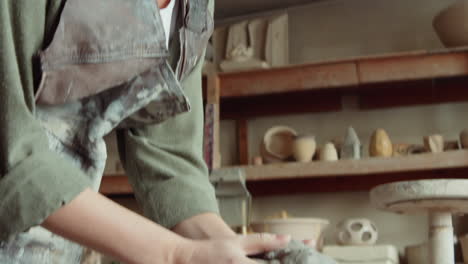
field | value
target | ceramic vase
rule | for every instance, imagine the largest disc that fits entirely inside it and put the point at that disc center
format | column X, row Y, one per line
column 434, row 143
column 304, row 148
column 380, row 144
column 328, row 152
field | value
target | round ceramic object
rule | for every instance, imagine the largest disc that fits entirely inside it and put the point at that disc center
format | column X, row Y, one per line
column 451, row 24
column 304, row 148
column 277, row 144
column 380, row 144
column 464, row 139
column 299, row 228
column 357, row 232
column 328, row 152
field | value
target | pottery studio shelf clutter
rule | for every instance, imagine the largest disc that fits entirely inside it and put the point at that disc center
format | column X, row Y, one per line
column 364, row 173
column 379, row 81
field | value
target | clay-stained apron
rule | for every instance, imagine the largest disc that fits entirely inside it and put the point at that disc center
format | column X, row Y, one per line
column 106, row 67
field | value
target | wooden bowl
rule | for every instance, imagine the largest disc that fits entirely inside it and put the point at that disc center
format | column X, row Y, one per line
column 277, row 144
column 451, row 24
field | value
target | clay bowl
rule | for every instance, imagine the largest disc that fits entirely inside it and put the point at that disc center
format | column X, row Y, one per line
column 299, row 228
column 451, row 24
column 277, row 144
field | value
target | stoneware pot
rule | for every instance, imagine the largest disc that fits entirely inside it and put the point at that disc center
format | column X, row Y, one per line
column 380, row 144
column 357, row 232
column 464, row 139
column 304, row 147
column 451, row 24
column 299, row 228
column 277, row 144
column 328, row 152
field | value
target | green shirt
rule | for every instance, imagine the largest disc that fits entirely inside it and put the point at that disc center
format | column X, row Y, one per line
column 164, row 162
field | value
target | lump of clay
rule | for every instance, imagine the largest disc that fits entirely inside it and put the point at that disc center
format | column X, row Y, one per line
column 296, row 253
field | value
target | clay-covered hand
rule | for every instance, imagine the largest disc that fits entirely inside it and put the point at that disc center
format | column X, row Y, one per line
column 230, row 251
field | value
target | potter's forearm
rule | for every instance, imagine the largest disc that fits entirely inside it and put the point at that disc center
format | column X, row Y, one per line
column 97, row 222
column 204, row 226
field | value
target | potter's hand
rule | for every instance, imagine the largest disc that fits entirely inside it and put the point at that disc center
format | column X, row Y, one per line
column 231, row 251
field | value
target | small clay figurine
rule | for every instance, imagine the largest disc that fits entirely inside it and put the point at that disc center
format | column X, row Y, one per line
column 464, row 139
column 304, row 147
column 434, row 143
column 351, row 148
column 328, row 152
column 380, row 144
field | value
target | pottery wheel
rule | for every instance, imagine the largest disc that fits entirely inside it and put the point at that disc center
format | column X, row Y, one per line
column 440, row 198
column 422, row 196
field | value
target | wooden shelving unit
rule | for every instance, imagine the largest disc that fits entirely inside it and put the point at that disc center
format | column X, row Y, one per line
column 365, row 173
column 382, row 81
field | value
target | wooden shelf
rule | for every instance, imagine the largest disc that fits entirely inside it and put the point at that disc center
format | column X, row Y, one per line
column 347, row 73
column 420, row 77
column 343, row 175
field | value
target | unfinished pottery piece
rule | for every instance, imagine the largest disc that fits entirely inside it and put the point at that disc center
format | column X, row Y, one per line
column 464, row 139
column 357, row 232
column 380, row 144
column 304, row 147
column 401, row 150
column 351, row 148
column 328, row 152
column 434, row 143
column 451, row 24
column 277, row 144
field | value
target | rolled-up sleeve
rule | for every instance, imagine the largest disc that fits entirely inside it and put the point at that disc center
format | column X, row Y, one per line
column 165, row 163
column 34, row 181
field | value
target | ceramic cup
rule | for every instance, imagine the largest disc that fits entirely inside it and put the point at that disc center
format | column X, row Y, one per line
column 304, row 147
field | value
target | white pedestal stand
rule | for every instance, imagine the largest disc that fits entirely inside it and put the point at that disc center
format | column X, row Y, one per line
column 440, row 198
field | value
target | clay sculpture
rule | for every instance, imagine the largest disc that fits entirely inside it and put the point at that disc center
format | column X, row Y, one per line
column 380, row 144
column 328, row 152
column 351, row 148
column 357, row 232
column 434, row 143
